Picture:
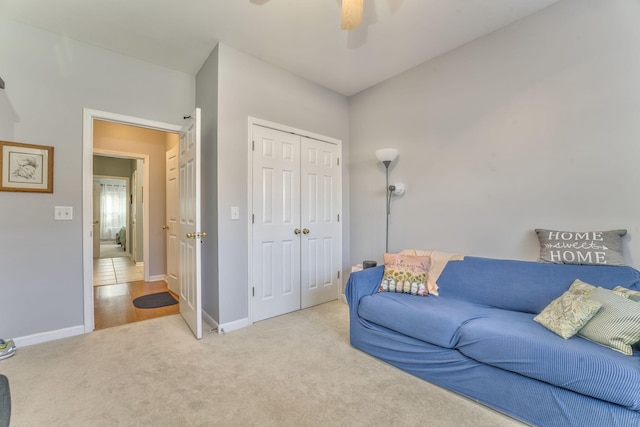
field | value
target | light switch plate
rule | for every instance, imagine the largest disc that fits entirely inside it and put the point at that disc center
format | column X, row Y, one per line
column 63, row 213
column 235, row 212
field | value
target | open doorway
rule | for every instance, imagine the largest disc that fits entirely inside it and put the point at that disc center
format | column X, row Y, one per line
column 117, row 211
column 129, row 248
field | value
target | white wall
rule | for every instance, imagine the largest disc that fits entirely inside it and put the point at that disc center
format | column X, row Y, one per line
column 535, row 125
column 49, row 80
column 247, row 87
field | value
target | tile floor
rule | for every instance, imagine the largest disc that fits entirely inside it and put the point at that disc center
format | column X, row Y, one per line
column 109, row 271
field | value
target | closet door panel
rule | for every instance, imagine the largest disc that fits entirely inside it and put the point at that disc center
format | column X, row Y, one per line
column 320, row 207
column 276, row 207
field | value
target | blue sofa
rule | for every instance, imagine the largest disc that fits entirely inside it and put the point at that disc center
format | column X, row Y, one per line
column 478, row 338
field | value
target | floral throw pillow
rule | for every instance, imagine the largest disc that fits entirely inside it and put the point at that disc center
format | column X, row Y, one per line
column 627, row 293
column 405, row 273
column 568, row 313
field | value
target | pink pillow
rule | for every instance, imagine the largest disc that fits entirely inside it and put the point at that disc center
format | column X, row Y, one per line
column 405, row 273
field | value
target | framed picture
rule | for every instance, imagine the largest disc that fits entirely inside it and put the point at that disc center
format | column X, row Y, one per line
column 26, row 167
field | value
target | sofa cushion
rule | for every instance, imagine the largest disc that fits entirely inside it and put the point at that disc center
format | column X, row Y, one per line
column 527, row 348
column 616, row 325
column 524, row 285
column 434, row 319
column 568, row 313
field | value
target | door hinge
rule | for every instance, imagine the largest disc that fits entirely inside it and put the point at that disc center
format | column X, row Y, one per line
column 338, row 274
column 253, row 146
column 338, row 217
column 338, row 159
column 253, row 218
column 253, row 291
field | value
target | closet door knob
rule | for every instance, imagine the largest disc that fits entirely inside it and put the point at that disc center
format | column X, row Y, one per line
column 305, row 231
column 296, row 231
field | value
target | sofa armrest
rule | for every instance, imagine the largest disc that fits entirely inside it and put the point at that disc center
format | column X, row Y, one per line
column 361, row 283
column 5, row 402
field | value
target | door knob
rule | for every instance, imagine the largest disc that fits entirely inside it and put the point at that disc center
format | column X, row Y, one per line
column 202, row 235
column 165, row 227
column 305, row 231
column 296, row 231
column 191, row 235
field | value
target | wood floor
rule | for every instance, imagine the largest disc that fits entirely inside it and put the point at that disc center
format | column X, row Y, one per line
column 113, row 304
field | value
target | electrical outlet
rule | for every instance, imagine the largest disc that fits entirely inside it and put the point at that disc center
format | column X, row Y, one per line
column 235, row 212
column 63, row 213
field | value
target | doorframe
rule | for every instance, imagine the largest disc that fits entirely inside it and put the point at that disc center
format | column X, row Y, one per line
column 128, row 185
column 145, row 200
column 284, row 128
column 88, row 117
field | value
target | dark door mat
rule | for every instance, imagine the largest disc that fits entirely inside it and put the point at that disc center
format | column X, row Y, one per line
column 160, row 299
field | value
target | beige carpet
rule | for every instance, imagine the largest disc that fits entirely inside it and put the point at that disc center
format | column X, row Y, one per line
column 112, row 250
column 293, row 370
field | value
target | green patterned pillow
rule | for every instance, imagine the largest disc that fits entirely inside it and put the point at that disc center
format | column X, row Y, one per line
column 627, row 293
column 617, row 324
column 569, row 312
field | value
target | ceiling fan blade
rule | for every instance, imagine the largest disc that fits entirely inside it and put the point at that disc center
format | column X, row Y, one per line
column 351, row 14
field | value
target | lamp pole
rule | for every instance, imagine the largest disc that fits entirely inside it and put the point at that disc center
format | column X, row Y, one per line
column 388, row 193
column 386, row 156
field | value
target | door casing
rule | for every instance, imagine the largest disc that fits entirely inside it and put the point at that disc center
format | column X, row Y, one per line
column 127, row 214
column 88, row 117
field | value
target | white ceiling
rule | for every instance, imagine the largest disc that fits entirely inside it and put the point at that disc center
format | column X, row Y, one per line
column 302, row 36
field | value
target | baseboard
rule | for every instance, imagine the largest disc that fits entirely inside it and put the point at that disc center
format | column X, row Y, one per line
column 158, row 278
column 210, row 321
column 232, row 326
column 49, row 336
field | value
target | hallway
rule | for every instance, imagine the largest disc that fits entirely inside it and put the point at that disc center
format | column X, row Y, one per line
column 116, row 283
column 107, row 271
column 113, row 304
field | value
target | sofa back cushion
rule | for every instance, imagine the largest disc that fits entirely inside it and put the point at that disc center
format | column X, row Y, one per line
column 524, row 285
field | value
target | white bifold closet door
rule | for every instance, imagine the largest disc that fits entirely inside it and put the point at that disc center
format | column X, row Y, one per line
column 296, row 229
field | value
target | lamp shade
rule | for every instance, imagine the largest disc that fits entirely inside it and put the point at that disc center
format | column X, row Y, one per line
column 351, row 14
column 387, row 154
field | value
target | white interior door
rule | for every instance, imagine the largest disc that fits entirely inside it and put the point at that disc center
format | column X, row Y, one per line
column 276, row 230
column 190, row 234
column 95, row 229
column 171, row 227
column 321, row 231
column 132, row 235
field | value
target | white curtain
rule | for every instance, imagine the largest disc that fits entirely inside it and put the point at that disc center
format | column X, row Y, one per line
column 113, row 206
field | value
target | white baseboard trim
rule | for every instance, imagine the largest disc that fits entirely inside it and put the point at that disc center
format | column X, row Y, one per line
column 49, row 336
column 158, row 278
column 232, row 326
column 214, row 325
